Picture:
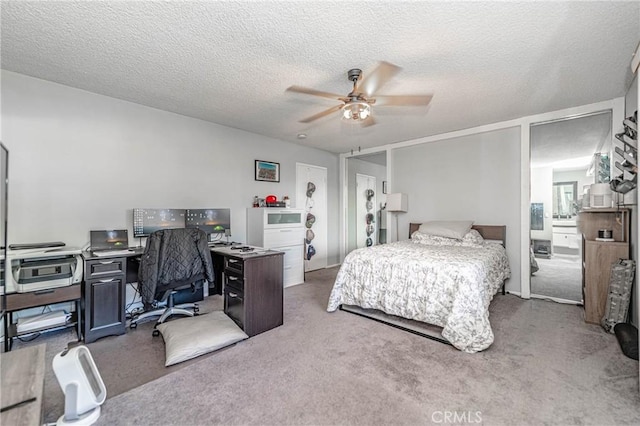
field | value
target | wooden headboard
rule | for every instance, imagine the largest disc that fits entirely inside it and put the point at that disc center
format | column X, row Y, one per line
column 488, row 232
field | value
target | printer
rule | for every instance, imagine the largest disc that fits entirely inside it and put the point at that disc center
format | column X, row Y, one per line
column 42, row 268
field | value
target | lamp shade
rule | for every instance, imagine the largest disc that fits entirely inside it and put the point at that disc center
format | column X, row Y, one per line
column 397, row 202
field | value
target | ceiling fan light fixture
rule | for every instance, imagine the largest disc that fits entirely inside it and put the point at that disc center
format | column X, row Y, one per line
column 357, row 110
column 356, row 105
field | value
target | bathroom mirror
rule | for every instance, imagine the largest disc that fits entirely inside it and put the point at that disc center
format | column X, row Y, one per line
column 564, row 199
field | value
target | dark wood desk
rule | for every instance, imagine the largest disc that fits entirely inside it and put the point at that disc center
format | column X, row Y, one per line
column 253, row 287
column 18, row 301
column 22, row 379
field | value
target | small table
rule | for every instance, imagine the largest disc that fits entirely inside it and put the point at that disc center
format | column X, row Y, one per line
column 22, row 381
column 32, row 299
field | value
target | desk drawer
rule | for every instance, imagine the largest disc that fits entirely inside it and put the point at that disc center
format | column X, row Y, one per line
column 100, row 268
column 16, row 301
column 233, row 264
column 234, row 305
column 232, row 279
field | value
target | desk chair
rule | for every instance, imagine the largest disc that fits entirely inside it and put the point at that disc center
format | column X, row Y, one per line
column 173, row 259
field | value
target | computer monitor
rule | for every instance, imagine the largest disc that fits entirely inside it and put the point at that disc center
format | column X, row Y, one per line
column 147, row 221
column 211, row 221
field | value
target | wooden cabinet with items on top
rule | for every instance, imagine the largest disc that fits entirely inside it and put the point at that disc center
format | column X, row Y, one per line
column 598, row 255
column 253, row 291
column 103, row 297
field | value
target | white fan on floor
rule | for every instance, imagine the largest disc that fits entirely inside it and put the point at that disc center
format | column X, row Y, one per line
column 84, row 390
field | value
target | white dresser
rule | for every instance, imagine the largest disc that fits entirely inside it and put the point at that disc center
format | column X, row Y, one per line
column 282, row 230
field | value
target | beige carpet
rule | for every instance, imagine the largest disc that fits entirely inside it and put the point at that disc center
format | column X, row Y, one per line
column 125, row 362
column 546, row 366
column 560, row 276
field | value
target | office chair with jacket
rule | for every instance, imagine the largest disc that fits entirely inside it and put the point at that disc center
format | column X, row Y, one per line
column 173, row 259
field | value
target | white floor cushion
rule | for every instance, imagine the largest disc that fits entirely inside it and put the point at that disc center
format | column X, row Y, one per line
column 190, row 337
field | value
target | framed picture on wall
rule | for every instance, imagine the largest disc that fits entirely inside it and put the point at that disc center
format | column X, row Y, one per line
column 384, row 186
column 267, row 171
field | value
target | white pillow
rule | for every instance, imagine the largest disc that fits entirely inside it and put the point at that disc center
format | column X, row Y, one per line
column 471, row 239
column 451, row 229
column 189, row 337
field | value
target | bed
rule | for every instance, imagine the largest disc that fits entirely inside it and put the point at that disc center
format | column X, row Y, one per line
column 448, row 284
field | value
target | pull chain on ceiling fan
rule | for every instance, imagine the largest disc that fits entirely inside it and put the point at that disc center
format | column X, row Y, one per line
column 356, row 106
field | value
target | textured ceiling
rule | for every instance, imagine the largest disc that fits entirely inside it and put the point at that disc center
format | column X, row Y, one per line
column 230, row 62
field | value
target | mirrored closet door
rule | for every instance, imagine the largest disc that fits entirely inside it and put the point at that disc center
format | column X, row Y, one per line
column 366, row 172
column 567, row 156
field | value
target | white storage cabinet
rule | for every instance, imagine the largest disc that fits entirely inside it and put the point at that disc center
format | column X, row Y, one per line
column 565, row 236
column 282, row 230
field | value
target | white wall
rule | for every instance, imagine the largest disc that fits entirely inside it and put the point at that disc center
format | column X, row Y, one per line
column 542, row 192
column 82, row 161
column 378, row 171
column 474, row 177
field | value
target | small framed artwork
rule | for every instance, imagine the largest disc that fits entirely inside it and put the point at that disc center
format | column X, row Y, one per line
column 384, row 186
column 267, row 171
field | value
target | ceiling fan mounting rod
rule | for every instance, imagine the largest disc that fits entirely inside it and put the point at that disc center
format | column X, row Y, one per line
column 354, row 74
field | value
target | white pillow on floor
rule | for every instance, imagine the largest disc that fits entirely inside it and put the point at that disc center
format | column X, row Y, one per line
column 189, row 337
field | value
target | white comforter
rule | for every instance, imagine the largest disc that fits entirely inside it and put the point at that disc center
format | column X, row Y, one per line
column 450, row 286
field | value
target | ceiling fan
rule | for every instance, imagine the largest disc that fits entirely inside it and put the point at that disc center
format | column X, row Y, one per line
column 356, row 106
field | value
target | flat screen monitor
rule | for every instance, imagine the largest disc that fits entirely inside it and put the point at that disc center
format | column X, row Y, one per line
column 147, row 221
column 211, row 221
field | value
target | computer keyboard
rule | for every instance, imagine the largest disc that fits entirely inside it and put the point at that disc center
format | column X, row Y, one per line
column 112, row 252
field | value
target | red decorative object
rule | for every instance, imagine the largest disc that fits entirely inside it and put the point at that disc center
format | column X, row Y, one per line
column 271, row 199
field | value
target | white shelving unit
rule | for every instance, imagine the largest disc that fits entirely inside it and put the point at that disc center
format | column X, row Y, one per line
column 282, row 230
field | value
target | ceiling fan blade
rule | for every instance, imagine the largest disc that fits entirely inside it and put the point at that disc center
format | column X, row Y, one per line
column 321, row 114
column 369, row 121
column 377, row 78
column 314, row 92
column 401, row 100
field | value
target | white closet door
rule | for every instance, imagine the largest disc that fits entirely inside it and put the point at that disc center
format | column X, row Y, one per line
column 315, row 204
column 365, row 205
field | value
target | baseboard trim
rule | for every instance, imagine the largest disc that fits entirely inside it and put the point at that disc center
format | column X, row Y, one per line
column 332, row 266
